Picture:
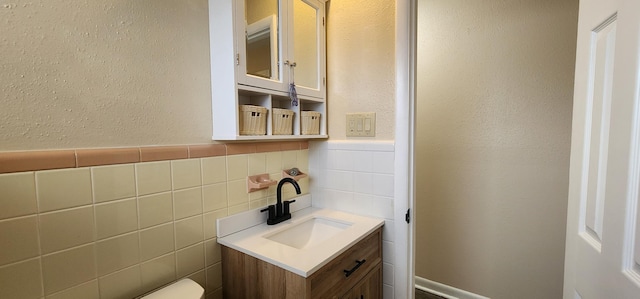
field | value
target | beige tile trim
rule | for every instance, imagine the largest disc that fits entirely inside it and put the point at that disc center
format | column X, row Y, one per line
column 58, row 159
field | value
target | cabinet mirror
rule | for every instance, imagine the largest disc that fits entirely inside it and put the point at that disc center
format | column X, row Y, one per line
column 305, row 48
column 261, row 17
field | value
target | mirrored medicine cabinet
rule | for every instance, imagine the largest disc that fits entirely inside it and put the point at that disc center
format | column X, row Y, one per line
column 259, row 49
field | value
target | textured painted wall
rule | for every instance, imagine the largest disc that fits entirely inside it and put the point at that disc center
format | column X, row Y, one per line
column 77, row 74
column 495, row 86
column 103, row 73
column 361, row 64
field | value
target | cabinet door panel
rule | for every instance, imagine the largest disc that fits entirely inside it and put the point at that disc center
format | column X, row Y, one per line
column 368, row 288
column 307, row 44
column 259, row 38
column 331, row 278
column 305, row 48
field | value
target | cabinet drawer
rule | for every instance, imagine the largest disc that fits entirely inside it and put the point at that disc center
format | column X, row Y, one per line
column 369, row 288
column 331, row 281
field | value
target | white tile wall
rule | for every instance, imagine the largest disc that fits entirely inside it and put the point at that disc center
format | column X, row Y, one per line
column 358, row 177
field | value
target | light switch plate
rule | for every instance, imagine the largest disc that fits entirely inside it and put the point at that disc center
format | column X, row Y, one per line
column 361, row 124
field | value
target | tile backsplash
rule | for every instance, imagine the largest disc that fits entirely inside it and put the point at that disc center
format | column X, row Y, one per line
column 358, row 177
column 118, row 231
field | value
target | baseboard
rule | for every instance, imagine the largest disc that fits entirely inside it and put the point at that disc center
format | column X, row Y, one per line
column 444, row 290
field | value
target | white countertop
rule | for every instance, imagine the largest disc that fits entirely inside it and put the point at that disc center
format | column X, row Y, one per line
column 304, row 262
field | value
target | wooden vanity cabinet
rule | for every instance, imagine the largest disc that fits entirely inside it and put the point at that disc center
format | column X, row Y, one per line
column 244, row 276
column 369, row 287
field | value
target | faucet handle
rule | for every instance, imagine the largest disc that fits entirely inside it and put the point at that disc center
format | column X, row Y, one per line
column 286, row 206
column 272, row 212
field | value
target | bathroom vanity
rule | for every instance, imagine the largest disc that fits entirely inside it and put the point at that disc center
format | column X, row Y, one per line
column 245, row 276
column 319, row 253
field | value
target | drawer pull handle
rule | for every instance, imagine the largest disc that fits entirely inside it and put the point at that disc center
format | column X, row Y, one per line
column 347, row 273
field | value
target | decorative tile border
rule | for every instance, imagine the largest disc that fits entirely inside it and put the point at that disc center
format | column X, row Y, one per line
column 207, row 150
column 95, row 157
column 41, row 160
column 163, row 153
column 73, row 158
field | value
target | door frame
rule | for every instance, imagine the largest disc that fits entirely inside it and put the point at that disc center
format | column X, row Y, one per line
column 404, row 177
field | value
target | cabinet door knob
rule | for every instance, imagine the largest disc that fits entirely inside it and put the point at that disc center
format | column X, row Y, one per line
column 348, row 273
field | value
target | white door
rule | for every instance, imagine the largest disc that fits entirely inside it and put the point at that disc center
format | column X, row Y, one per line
column 603, row 240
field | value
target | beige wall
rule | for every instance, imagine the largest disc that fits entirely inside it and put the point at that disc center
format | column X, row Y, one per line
column 126, row 73
column 93, row 73
column 495, row 82
column 361, row 64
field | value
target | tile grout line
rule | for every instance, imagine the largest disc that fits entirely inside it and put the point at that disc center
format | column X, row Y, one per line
column 138, row 228
column 204, row 238
column 95, row 228
column 35, row 185
column 173, row 222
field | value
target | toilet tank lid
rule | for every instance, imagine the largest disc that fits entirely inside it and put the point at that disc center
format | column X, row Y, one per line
column 184, row 289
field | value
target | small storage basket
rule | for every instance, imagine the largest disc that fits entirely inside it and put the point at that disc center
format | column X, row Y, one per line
column 253, row 120
column 282, row 121
column 310, row 123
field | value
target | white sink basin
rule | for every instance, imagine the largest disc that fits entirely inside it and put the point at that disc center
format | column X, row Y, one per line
column 308, row 233
column 303, row 244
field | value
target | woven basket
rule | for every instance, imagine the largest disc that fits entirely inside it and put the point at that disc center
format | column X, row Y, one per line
column 310, row 123
column 253, row 120
column 282, row 121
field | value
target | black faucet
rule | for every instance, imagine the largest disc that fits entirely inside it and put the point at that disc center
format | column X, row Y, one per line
column 280, row 211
